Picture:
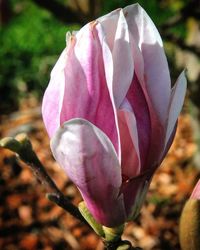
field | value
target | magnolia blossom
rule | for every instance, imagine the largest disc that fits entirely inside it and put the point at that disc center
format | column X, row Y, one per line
column 111, row 113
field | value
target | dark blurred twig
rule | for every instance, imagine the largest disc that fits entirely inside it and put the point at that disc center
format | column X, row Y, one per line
column 78, row 7
column 67, row 15
column 5, row 11
column 92, row 5
column 61, row 11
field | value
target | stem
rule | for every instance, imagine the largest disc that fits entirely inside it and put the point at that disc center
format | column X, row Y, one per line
column 56, row 195
column 63, row 202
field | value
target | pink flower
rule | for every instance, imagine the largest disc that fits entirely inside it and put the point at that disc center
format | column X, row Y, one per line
column 196, row 191
column 111, row 113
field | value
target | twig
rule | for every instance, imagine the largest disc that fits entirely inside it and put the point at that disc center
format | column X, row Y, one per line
column 78, row 7
column 92, row 5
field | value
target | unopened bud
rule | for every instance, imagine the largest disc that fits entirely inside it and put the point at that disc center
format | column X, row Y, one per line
column 190, row 225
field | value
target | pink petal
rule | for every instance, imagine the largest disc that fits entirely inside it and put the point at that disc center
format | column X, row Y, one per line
column 92, row 101
column 133, row 189
column 89, row 159
column 141, row 111
column 156, row 69
column 196, row 191
column 116, row 32
column 109, row 26
column 176, row 103
column 86, row 94
column 53, row 97
column 169, row 143
column 130, row 158
column 138, row 60
column 108, row 61
column 119, row 73
column 122, row 60
column 157, row 140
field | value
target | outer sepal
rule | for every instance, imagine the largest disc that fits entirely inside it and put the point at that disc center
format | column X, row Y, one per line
column 90, row 219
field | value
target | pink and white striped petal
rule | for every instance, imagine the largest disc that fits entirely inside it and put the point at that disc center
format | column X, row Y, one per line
column 130, row 156
column 123, row 69
column 89, row 159
column 156, row 70
column 54, row 94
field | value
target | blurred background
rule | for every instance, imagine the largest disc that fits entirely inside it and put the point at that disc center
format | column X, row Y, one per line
column 32, row 38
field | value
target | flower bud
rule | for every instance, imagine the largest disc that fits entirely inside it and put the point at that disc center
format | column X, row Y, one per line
column 189, row 231
column 111, row 112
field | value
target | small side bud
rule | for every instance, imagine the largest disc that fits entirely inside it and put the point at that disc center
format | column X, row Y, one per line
column 17, row 144
column 10, row 143
column 23, row 140
column 22, row 146
column 189, row 231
